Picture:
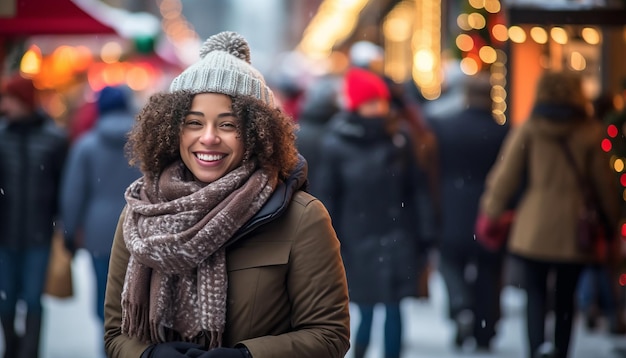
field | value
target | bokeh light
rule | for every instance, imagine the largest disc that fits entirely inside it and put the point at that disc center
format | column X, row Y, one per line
column 500, row 32
column 559, row 35
column 591, row 35
column 517, row 34
column 539, row 35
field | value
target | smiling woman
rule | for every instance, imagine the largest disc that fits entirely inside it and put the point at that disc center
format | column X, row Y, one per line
column 221, row 209
column 210, row 141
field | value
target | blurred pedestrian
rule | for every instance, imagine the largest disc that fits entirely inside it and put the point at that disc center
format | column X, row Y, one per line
column 598, row 294
column 319, row 104
column 405, row 107
column 32, row 154
column 469, row 143
column 368, row 179
column 82, row 120
column 544, row 234
column 95, row 178
column 218, row 252
column 288, row 79
column 289, row 94
column 406, row 112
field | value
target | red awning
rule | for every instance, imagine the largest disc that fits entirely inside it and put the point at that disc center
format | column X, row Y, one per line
column 37, row 17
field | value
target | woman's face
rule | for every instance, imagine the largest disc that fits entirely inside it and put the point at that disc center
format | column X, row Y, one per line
column 374, row 109
column 210, row 144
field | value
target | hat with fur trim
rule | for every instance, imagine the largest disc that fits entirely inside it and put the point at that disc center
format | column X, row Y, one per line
column 224, row 67
column 20, row 88
column 362, row 86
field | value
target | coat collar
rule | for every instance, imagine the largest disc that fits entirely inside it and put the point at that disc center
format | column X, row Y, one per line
column 278, row 202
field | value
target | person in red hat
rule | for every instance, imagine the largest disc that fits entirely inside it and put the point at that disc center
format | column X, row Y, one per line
column 369, row 180
column 32, row 153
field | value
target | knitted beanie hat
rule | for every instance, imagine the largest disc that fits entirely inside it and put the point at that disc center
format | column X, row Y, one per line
column 112, row 98
column 361, row 86
column 224, row 67
column 364, row 53
column 20, row 88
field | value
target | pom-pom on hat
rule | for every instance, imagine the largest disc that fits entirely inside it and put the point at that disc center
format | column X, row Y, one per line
column 224, row 67
column 20, row 88
column 362, row 86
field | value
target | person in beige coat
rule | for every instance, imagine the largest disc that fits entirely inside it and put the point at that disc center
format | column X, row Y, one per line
column 220, row 252
column 543, row 235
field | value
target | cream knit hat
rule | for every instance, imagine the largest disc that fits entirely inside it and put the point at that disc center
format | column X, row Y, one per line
column 224, row 67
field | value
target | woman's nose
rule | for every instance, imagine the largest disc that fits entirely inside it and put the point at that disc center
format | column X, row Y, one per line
column 209, row 136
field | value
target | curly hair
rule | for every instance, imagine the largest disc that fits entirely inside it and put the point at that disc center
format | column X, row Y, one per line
column 268, row 133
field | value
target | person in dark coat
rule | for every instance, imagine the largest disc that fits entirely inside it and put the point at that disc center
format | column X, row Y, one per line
column 32, row 153
column 469, row 143
column 407, row 109
column 320, row 103
column 368, row 179
column 95, row 178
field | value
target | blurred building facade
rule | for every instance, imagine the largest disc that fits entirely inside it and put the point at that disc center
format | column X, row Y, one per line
column 79, row 46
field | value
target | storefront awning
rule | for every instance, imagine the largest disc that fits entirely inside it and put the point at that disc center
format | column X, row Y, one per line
column 38, row 17
column 602, row 16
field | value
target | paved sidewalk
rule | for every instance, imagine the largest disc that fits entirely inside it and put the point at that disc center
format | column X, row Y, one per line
column 72, row 330
column 429, row 335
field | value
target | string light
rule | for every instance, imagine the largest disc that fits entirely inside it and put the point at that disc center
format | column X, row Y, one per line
column 483, row 32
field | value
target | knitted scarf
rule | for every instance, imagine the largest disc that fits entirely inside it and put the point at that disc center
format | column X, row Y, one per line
column 175, row 230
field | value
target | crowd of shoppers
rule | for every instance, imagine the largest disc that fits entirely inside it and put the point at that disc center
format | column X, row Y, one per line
column 214, row 187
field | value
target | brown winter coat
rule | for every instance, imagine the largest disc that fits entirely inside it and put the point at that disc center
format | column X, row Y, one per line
column 287, row 293
column 546, row 216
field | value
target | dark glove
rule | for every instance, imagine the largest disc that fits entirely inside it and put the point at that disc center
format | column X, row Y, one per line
column 219, row 353
column 170, row 350
column 70, row 245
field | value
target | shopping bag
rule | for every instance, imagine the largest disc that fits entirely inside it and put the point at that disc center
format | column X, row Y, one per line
column 59, row 280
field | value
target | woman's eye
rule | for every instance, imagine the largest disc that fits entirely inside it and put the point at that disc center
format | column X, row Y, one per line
column 192, row 122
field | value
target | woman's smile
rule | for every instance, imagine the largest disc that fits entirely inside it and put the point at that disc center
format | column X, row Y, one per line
column 209, row 157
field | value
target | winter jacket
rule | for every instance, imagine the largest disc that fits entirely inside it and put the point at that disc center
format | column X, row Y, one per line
column 546, row 217
column 469, row 143
column 32, row 154
column 287, row 292
column 95, row 178
column 369, row 182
